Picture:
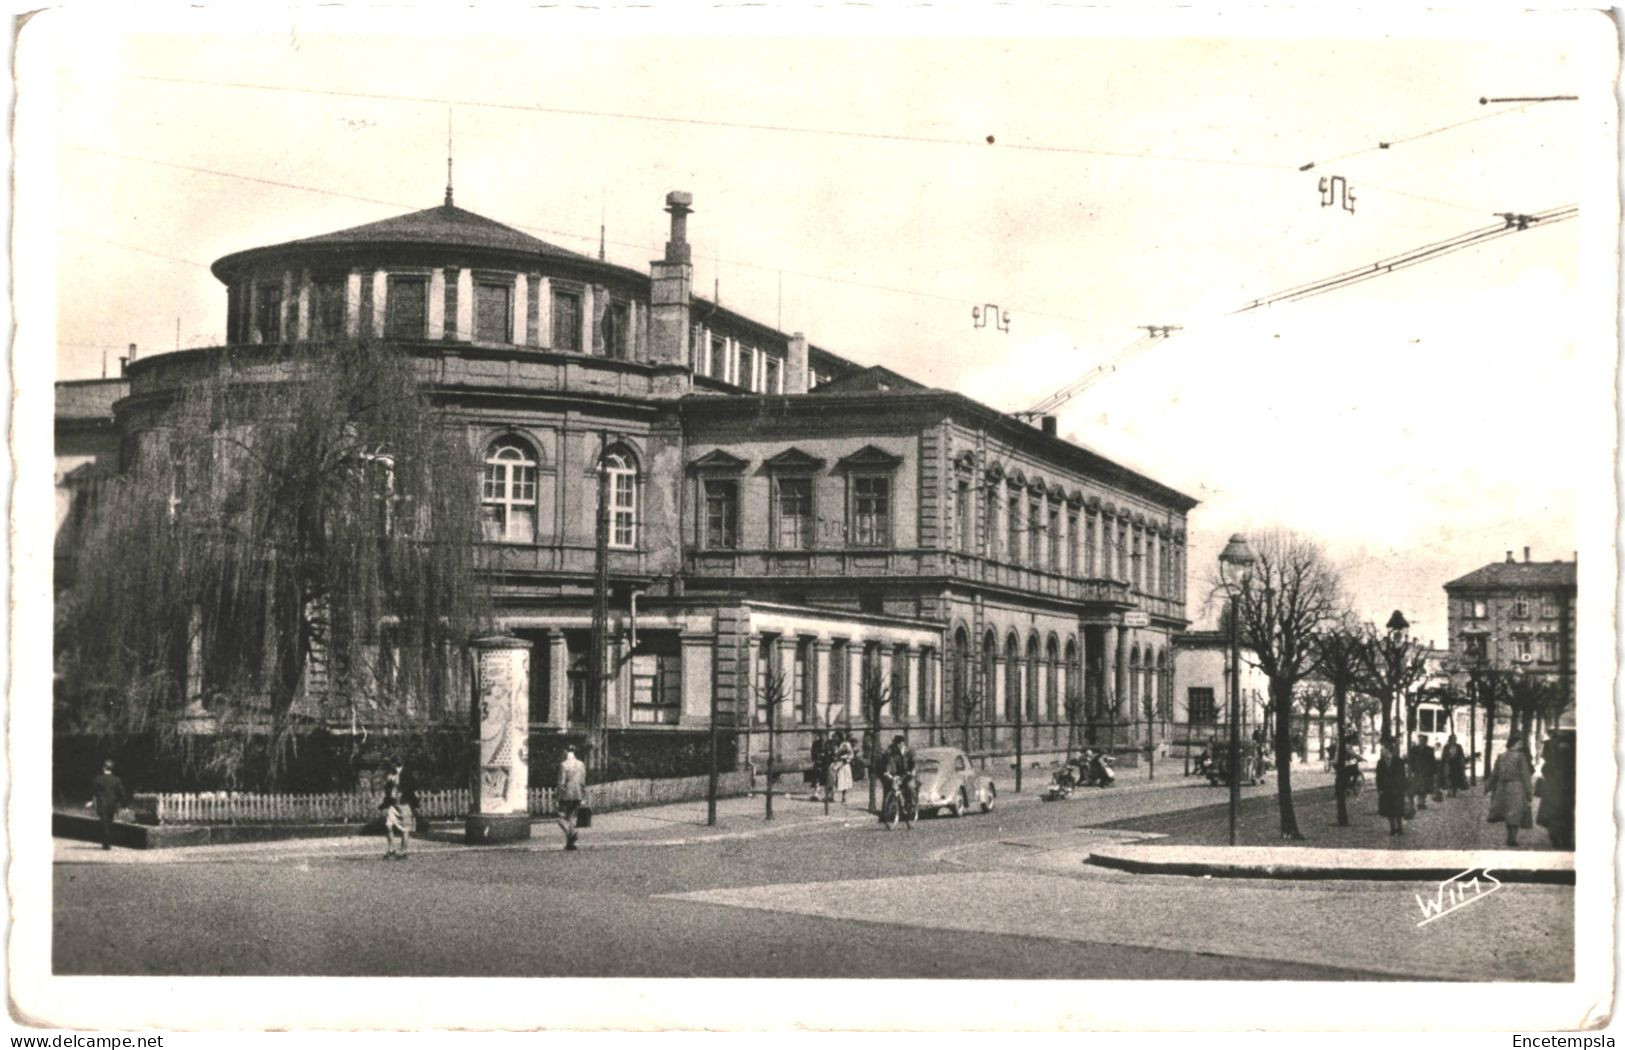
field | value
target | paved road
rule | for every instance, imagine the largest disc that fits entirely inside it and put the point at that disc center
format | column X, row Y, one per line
column 996, row 895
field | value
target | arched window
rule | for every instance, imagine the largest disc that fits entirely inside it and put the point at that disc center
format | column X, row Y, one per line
column 990, row 677
column 1012, row 675
column 508, row 492
column 1032, row 678
column 959, row 664
column 1165, row 686
column 1074, row 682
column 1052, row 684
column 622, row 473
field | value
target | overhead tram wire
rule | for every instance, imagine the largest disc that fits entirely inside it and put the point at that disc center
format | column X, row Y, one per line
column 846, row 133
column 1390, row 143
column 1382, row 267
column 340, row 195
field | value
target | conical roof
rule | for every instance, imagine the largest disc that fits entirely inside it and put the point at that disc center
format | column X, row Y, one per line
column 446, row 226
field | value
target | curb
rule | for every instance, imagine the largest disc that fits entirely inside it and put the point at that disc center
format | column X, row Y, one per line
column 1298, row 870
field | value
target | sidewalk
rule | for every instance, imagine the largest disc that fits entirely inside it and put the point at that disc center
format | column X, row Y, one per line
column 1444, row 840
column 673, row 824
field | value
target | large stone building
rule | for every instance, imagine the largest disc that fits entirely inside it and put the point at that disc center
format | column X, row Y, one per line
column 774, row 508
column 1516, row 615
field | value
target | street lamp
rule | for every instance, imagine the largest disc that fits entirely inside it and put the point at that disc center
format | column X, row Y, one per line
column 1235, row 569
column 1398, row 630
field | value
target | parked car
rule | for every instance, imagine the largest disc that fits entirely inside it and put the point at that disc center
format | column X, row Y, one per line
column 948, row 781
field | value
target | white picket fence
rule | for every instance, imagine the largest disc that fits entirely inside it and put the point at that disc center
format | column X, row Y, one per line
column 330, row 808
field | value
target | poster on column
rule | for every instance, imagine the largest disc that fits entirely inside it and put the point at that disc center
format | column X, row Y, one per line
column 503, row 676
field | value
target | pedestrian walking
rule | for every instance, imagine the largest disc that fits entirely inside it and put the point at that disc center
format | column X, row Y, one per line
column 107, row 796
column 1509, row 790
column 840, row 769
column 820, row 766
column 572, row 787
column 400, row 811
column 1419, row 759
column 1454, row 760
column 1392, row 784
column 1556, row 789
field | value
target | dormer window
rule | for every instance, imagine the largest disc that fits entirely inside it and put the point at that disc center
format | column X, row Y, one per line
column 492, row 311
column 407, row 315
column 268, row 313
column 566, row 321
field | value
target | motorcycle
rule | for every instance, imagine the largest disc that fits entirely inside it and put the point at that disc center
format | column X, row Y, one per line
column 1098, row 769
column 1062, row 783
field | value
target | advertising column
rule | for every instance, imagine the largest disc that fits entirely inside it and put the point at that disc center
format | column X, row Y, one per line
column 501, row 721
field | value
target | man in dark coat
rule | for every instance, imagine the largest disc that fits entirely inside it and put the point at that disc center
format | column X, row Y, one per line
column 1556, row 790
column 1423, row 766
column 1391, row 787
column 107, row 795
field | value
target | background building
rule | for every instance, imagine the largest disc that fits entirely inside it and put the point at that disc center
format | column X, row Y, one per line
column 1515, row 616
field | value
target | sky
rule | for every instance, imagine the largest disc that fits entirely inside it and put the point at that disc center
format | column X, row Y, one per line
column 869, row 180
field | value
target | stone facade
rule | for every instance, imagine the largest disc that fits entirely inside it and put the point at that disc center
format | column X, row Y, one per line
column 1516, row 615
column 777, row 512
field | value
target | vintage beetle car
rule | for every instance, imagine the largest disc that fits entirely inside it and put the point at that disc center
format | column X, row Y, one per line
column 948, row 781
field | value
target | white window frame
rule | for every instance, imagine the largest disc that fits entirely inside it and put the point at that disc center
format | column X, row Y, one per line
column 623, row 499
column 525, row 459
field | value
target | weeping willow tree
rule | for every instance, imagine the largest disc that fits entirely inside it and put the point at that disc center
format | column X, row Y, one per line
column 290, row 544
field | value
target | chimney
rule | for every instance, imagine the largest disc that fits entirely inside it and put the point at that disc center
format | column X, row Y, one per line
column 132, row 353
column 1510, row 559
column 671, row 282
column 1049, row 426
column 1526, row 555
column 796, row 373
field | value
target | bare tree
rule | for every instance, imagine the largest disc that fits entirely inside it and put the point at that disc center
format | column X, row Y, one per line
column 1339, row 657
column 280, row 535
column 1289, row 597
column 1394, row 666
column 877, row 692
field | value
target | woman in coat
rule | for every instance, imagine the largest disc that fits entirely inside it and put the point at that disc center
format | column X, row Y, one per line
column 1392, row 785
column 1455, row 765
column 1509, row 789
column 840, row 770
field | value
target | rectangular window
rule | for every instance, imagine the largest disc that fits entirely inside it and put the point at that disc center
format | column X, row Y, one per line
column 1480, row 611
column 899, row 683
column 268, row 313
column 491, row 306
column 576, row 644
column 1522, row 647
column 1548, row 649
column 1072, row 544
column 804, row 684
column 1135, row 562
column 1035, row 535
column 567, row 321
column 327, row 308
column 1089, row 546
column 927, row 693
column 963, row 522
column 1548, row 607
column 718, row 360
column 1199, row 705
column 721, row 513
column 1476, row 646
column 840, row 671
column 1520, row 608
column 657, row 680
column 990, row 536
column 1055, row 539
column 406, row 310
column 1012, row 550
column 871, row 511
column 793, row 504
column 616, row 330
column 772, row 373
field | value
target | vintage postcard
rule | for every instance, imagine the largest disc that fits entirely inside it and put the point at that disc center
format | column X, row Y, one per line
column 784, row 517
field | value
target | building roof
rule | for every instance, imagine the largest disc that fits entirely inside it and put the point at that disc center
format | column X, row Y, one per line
column 89, row 399
column 875, row 378
column 1517, row 574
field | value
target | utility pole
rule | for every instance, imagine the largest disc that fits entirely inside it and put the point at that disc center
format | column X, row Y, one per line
column 597, row 678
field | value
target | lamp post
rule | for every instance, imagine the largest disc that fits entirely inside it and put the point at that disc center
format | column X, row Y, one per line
column 1398, row 633
column 1235, row 569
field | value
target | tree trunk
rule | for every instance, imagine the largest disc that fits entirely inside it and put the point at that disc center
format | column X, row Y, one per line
column 1387, row 720
column 1337, row 752
column 1283, row 759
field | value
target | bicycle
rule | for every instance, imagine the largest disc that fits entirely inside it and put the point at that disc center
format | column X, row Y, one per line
column 899, row 805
